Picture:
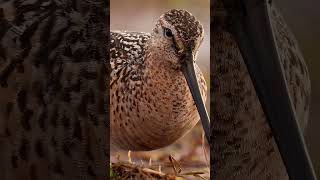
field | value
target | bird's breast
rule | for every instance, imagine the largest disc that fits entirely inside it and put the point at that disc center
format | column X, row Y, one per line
column 156, row 114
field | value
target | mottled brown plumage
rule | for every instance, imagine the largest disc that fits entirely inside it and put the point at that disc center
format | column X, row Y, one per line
column 151, row 104
column 53, row 90
column 243, row 146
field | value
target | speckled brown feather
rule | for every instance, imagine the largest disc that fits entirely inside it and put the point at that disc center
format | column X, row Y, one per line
column 187, row 26
column 243, row 145
column 52, row 90
column 151, row 104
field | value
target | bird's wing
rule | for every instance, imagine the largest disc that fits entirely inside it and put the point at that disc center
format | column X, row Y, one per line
column 127, row 54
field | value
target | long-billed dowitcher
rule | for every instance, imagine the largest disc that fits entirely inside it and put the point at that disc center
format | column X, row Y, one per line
column 252, row 46
column 152, row 76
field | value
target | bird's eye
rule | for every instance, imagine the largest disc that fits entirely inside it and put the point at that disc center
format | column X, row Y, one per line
column 168, row 33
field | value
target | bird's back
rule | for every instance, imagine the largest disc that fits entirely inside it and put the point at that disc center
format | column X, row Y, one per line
column 243, row 144
column 127, row 55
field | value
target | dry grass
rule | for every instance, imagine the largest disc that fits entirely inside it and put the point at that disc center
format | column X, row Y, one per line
column 186, row 159
column 126, row 170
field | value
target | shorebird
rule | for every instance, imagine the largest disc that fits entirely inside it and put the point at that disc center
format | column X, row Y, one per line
column 154, row 91
column 251, row 47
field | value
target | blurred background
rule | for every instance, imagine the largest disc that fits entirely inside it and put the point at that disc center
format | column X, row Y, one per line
column 303, row 17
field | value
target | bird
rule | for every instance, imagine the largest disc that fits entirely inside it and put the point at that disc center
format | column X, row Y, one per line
column 243, row 146
column 151, row 100
column 53, row 116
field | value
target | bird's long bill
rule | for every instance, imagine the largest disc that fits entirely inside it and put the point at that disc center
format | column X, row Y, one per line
column 190, row 75
column 251, row 27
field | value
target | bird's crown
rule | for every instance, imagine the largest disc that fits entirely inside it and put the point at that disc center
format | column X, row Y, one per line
column 187, row 30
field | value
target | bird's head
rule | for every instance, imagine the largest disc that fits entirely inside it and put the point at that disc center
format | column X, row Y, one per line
column 179, row 34
column 177, row 37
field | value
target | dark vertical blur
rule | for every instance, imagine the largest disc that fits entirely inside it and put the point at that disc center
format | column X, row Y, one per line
column 303, row 17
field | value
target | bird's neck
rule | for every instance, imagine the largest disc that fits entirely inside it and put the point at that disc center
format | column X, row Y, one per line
column 167, row 100
column 243, row 144
column 167, row 80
